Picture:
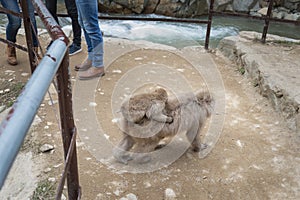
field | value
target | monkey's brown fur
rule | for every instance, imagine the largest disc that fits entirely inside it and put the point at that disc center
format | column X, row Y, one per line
column 189, row 113
column 147, row 105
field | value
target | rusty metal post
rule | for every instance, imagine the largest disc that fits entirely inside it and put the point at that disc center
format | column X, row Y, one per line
column 211, row 8
column 67, row 125
column 65, row 99
column 28, row 34
column 267, row 21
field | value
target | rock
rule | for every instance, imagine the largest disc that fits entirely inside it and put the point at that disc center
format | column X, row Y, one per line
column 36, row 120
column 51, row 179
column 254, row 13
column 50, row 103
column 63, row 197
column 245, row 5
column 131, row 196
column 167, row 8
column 292, row 17
column 278, row 15
column 24, row 74
column 169, row 194
column 239, row 143
column 52, row 90
column 67, row 30
column 229, row 8
column 263, row 11
column 151, row 6
column 49, row 123
column 147, row 184
column 136, row 6
column 117, row 192
column 100, row 196
column 292, row 5
column 92, row 104
column 222, row 4
column 117, row 71
column 46, row 148
column 47, row 170
column 191, row 8
column 2, row 108
column 282, row 9
column 270, row 79
column 9, row 71
column 58, row 165
column 115, row 120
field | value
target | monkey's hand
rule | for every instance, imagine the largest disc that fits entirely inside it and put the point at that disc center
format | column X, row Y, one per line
column 169, row 120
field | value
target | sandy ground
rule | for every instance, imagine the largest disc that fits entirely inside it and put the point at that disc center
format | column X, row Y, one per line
column 255, row 157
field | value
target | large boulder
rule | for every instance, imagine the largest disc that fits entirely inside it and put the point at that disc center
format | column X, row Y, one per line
column 168, row 7
column 221, row 5
column 137, row 6
column 293, row 5
column 194, row 8
column 150, row 6
column 174, row 8
column 245, row 5
column 182, row 8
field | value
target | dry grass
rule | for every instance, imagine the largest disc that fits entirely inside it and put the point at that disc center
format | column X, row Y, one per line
column 9, row 92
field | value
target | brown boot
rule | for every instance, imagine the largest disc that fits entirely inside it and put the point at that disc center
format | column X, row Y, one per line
column 11, row 55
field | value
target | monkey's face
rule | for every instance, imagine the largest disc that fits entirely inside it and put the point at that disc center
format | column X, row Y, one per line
column 161, row 94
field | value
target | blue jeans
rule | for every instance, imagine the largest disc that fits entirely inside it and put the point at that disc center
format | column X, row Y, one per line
column 14, row 22
column 88, row 20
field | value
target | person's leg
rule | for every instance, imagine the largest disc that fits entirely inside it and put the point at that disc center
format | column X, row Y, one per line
column 14, row 24
column 85, row 65
column 88, row 10
column 35, row 39
column 33, row 21
column 89, row 15
column 86, row 35
column 51, row 5
column 73, row 13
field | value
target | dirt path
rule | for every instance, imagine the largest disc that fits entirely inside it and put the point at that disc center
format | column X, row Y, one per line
column 256, row 156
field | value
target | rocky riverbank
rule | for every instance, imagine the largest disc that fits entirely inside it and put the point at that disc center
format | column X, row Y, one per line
column 283, row 9
column 273, row 69
column 256, row 157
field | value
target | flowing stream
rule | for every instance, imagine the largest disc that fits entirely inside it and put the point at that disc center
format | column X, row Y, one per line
column 181, row 34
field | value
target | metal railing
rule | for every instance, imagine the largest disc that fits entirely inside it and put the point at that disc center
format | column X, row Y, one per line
column 211, row 12
column 56, row 62
column 15, row 126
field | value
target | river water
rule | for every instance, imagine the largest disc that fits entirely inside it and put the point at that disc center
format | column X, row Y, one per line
column 181, row 34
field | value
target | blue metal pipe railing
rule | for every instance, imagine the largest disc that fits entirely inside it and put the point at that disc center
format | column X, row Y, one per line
column 15, row 126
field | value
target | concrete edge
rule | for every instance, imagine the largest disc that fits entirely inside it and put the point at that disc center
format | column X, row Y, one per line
column 235, row 48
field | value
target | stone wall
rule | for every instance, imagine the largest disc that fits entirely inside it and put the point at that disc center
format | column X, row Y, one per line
column 285, row 9
column 273, row 69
